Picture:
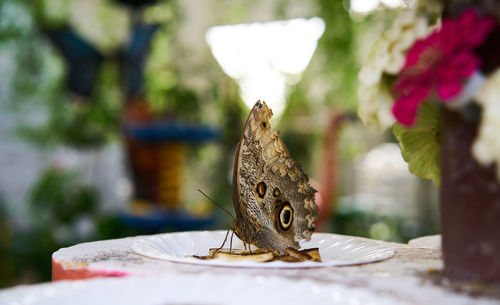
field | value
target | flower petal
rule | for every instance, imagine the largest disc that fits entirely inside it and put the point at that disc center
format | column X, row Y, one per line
column 448, row 89
column 464, row 64
column 486, row 148
column 405, row 109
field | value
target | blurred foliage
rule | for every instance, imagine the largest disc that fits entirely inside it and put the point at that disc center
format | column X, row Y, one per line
column 52, row 13
column 376, row 226
column 327, row 85
column 6, row 254
column 59, row 197
column 18, row 41
column 80, row 124
column 233, row 113
column 39, row 77
column 338, row 49
column 105, row 23
column 166, row 94
column 233, row 11
column 16, row 20
column 38, row 82
column 302, row 142
column 57, row 201
column 64, row 211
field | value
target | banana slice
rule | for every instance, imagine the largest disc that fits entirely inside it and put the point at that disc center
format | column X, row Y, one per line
column 290, row 255
column 298, row 255
column 254, row 257
column 313, row 253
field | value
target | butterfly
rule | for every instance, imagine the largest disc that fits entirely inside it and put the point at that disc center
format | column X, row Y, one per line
column 273, row 200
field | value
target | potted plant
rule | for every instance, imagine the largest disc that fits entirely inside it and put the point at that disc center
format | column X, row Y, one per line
column 433, row 76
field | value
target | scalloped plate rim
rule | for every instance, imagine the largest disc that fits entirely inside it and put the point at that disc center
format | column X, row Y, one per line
column 384, row 252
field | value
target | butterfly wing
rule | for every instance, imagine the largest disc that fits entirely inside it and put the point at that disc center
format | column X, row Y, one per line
column 272, row 197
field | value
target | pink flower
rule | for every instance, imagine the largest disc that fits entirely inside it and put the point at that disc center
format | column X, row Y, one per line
column 442, row 62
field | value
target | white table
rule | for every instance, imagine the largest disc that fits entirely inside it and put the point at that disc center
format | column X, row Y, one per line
column 402, row 279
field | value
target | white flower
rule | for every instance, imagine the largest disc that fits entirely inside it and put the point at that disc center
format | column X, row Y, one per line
column 375, row 109
column 387, row 55
column 486, row 148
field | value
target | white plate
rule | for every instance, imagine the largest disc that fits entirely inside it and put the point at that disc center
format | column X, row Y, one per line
column 335, row 250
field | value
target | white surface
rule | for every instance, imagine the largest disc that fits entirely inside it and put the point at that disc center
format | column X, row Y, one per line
column 399, row 280
column 335, row 250
column 431, row 242
column 226, row 288
column 188, row 289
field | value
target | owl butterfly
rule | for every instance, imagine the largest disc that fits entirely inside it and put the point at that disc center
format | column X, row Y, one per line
column 273, row 200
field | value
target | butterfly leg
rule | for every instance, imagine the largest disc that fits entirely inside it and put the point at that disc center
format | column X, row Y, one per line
column 252, row 238
column 224, row 242
column 231, row 242
column 245, row 247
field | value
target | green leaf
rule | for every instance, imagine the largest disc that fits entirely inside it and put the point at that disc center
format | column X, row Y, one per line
column 420, row 144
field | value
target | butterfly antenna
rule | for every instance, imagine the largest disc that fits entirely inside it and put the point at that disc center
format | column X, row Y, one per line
column 228, row 213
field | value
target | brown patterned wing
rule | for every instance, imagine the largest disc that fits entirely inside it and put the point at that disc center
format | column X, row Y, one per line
column 272, row 197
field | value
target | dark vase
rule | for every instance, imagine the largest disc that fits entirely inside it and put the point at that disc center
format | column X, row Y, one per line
column 470, row 206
